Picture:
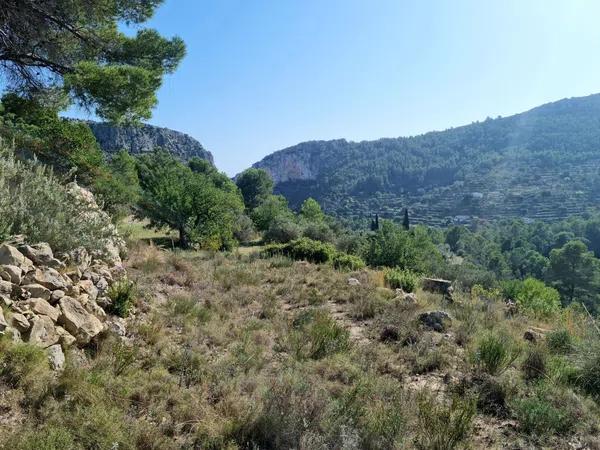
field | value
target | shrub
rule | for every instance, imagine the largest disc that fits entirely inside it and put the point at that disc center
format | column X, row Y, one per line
column 495, row 352
column 319, row 232
column 588, row 369
column 535, row 298
column 403, row 279
column 444, row 426
column 343, row 261
column 302, row 249
column 122, row 295
column 559, row 341
column 35, row 203
column 317, row 335
column 282, row 230
column 19, row 360
column 545, row 413
column 534, row 365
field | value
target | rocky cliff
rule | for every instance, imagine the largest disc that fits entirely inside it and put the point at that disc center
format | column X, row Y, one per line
column 145, row 138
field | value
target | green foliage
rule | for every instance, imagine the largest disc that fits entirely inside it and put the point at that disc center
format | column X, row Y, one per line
column 311, row 210
column 256, row 186
column 587, row 363
column 192, row 203
column 317, row 336
column 574, row 270
column 392, row 246
column 534, row 364
column 535, row 298
column 545, row 413
column 303, row 249
column 274, row 207
column 319, row 231
column 18, row 361
column 122, row 297
column 77, row 46
column 37, row 204
column 559, row 341
column 343, row 261
column 444, row 426
column 282, row 230
column 403, row 279
column 495, row 352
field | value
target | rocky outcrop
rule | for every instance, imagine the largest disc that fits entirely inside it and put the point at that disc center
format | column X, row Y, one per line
column 145, row 138
column 55, row 302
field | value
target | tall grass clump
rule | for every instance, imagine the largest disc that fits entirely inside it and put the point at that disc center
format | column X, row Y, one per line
column 495, row 352
column 403, row 279
column 122, row 295
column 36, row 203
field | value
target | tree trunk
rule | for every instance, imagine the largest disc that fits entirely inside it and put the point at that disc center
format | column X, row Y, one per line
column 183, row 238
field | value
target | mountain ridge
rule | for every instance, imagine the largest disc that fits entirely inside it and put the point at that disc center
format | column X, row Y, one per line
column 354, row 179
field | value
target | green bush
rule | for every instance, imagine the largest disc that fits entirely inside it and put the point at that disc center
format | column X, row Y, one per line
column 534, row 364
column 547, row 412
column 317, row 335
column 535, row 298
column 403, row 279
column 444, row 426
column 35, row 203
column 343, row 261
column 19, row 360
column 495, row 352
column 559, row 341
column 122, row 295
column 588, row 369
column 282, row 230
column 302, row 249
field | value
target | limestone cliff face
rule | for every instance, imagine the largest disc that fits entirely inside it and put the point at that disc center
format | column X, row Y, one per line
column 137, row 140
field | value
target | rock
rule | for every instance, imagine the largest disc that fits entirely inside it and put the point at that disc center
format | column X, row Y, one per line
column 6, row 301
column 533, row 336
column 103, row 302
column 56, row 296
column 117, row 326
column 410, row 298
column 439, row 286
column 353, row 282
column 47, row 277
column 102, row 285
column 6, row 288
column 77, row 321
column 13, row 334
column 389, row 333
column 40, row 254
column 87, row 286
column 41, row 306
column 436, row 320
column 43, row 332
column 14, row 274
column 3, row 322
column 56, row 357
column 66, row 339
column 10, row 256
column 92, row 307
column 88, row 275
column 20, row 322
column 37, row 290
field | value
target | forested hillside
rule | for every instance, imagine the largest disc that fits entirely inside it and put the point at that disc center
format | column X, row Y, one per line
column 541, row 164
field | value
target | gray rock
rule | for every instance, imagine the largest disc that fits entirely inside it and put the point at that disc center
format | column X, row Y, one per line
column 6, row 288
column 87, row 287
column 10, row 256
column 43, row 332
column 353, row 282
column 3, row 322
column 14, row 274
column 41, row 306
column 56, row 357
column 144, row 139
column 56, row 296
column 65, row 338
column 436, row 320
column 20, row 322
column 37, row 290
column 77, row 321
column 47, row 277
column 40, row 254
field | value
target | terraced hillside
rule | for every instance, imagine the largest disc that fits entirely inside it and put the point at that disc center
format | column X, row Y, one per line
column 540, row 164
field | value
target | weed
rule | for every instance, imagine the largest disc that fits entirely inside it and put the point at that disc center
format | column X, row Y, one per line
column 559, row 342
column 495, row 352
column 122, row 295
column 403, row 279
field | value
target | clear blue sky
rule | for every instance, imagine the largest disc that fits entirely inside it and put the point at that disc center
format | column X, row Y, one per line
column 261, row 75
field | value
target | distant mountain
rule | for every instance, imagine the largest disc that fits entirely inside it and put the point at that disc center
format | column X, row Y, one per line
column 145, row 138
column 540, row 164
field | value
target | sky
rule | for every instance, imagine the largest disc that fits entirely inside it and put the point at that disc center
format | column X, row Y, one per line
column 262, row 75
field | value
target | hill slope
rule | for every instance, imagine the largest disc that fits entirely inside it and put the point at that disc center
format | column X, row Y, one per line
column 145, row 138
column 542, row 164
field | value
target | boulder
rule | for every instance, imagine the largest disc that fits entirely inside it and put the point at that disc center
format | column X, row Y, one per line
column 533, row 336
column 14, row 274
column 6, row 288
column 117, row 326
column 439, row 286
column 353, row 282
column 87, row 287
column 436, row 320
column 66, row 339
column 40, row 254
column 41, row 306
column 20, row 322
column 102, row 285
column 37, row 290
column 3, row 322
column 48, row 277
column 43, row 332
column 56, row 296
column 77, row 321
column 10, row 256
column 56, row 357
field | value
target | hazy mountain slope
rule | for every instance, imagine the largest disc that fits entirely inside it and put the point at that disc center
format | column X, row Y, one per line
column 543, row 163
column 145, row 138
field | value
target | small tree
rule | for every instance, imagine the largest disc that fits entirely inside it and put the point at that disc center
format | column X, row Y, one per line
column 406, row 222
column 256, row 186
column 175, row 196
column 273, row 208
column 311, row 210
